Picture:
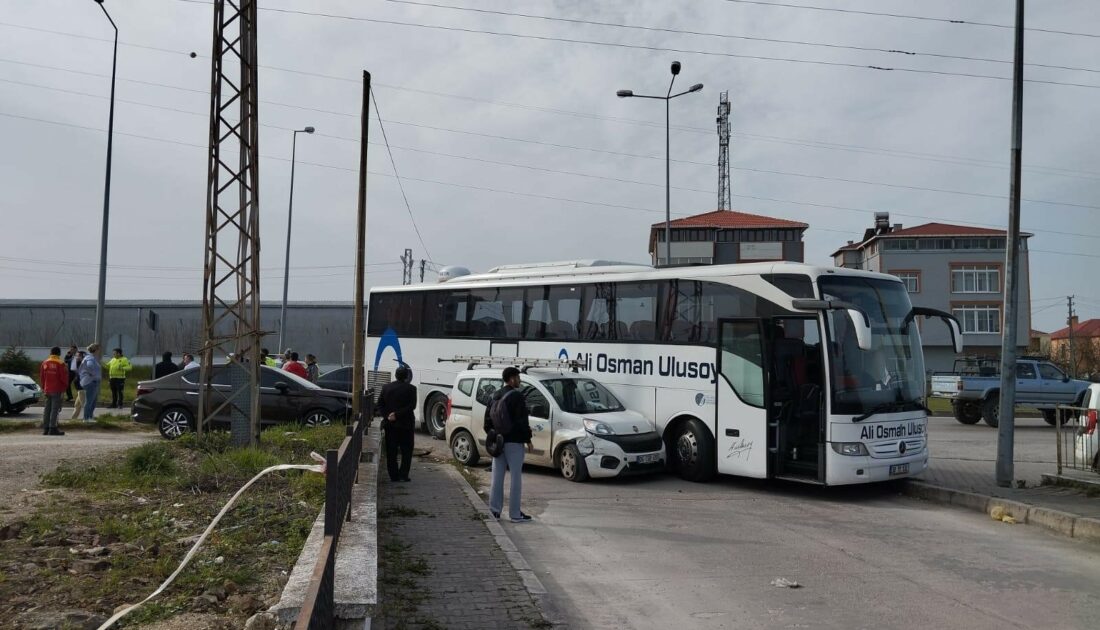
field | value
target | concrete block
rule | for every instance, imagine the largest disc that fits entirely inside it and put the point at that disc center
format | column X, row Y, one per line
column 1087, row 529
column 1061, row 522
column 970, row 501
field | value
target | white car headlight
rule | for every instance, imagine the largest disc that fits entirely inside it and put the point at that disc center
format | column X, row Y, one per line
column 597, row 427
column 849, row 448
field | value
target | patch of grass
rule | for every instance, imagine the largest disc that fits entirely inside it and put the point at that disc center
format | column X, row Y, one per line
column 470, row 476
column 147, row 504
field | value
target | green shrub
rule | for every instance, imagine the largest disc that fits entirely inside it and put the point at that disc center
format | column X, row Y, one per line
column 151, row 460
column 15, row 361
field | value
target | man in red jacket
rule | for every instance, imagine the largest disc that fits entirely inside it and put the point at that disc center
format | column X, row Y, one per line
column 295, row 367
column 54, row 376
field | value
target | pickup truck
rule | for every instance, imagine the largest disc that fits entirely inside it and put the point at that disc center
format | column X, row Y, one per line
column 974, row 387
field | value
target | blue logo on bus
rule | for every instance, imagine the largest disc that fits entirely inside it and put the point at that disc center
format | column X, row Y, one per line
column 563, row 355
column 388, row 340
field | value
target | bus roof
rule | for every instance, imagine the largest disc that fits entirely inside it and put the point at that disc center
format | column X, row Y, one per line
column 562, row 273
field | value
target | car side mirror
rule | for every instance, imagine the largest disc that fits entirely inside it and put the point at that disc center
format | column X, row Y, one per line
column 1065, row 378
column 282, row 387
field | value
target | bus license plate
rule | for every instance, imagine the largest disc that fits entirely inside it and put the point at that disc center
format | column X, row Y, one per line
column 648, row 459
column 899, row 469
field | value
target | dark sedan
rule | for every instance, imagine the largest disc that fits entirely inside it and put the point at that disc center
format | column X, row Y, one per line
column 338, row 379
column 171, row 402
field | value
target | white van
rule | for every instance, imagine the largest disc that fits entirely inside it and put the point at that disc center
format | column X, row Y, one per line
column 577, row 425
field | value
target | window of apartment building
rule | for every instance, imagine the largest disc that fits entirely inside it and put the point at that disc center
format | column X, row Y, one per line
column 892, row 244
column 977, row 319
column 911, row 280
column 976, row 279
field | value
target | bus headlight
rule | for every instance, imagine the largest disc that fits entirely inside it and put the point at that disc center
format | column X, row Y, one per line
column 849, row 448
column 597, row 427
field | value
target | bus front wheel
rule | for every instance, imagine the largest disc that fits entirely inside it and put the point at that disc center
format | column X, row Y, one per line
column 692, row 451
column 435, row 416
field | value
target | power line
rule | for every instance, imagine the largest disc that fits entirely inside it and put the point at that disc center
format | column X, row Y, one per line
column 590, row 42
column 894, row 51
column 468, row 186
column 820, row 205
column 393, row 164
column 907, row 17
column 930, row 157
column 623, row 154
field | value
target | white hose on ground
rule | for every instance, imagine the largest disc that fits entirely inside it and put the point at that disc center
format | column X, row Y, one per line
column 209, row 528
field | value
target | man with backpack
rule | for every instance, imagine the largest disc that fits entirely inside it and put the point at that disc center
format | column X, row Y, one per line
column 508, row 433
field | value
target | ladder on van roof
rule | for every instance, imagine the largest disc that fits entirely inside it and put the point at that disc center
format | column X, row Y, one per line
column 523, row 363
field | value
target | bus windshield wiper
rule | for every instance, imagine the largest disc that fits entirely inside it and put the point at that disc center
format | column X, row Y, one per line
column 894, row 405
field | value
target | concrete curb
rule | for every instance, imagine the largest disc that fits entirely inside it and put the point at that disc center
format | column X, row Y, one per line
column 531, row 581
column 1065, row 523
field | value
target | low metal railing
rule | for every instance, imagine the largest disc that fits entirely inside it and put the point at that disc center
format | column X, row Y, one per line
column 1078, row 439
column 341, row 474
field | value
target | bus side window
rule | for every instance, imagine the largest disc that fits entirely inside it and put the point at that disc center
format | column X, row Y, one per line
column 597, row 322
column 565, row 308
column 538, row 312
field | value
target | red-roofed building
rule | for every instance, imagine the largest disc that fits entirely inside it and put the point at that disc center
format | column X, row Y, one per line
column 954, row 268
column 1086, row 346
column 727, row 236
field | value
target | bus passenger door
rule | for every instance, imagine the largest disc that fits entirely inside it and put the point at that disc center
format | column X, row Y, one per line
column 741, row 430
column 795, row 398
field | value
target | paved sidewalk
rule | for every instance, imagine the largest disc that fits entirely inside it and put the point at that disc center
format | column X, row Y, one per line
column 440, row 567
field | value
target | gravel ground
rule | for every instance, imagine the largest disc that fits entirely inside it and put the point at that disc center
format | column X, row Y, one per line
column 25, row 456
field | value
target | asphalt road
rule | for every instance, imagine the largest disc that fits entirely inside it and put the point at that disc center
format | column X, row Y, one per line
column 658, row 552
column 664, row 553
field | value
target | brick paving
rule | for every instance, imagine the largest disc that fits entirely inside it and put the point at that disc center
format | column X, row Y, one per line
column 440, row 567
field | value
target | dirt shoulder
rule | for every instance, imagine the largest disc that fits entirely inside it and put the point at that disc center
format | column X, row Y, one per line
column 26, row 455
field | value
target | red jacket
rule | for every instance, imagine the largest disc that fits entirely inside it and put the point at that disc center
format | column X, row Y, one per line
column 54, row 375
column 295, row 368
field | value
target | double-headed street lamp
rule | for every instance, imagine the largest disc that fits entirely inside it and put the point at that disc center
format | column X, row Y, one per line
column 668, row 159
column 289, row 217
column 101, row 296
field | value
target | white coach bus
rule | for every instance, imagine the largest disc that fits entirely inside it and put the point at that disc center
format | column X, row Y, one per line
column 768, row 370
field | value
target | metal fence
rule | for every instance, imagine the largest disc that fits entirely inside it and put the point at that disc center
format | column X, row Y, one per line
column 1078, row 439
column 341, row 474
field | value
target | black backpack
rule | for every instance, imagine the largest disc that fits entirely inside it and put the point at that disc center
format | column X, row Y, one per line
column 499, row 415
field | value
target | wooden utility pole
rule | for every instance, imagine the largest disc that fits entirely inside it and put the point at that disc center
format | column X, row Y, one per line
column 360, row 346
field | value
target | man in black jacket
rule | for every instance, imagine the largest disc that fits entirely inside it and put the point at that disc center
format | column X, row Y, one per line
column 396, row 404
column 511, row 457
column 165, row 367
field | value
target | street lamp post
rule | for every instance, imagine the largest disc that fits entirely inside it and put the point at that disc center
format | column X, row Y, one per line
column 668, row 159
column 101, row 296
column 289, row 217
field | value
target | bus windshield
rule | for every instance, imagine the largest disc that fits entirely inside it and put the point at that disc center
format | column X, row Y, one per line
column 582, row 395
column 889, row 376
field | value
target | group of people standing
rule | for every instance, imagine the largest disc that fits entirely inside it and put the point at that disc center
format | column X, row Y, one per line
column 78, row 376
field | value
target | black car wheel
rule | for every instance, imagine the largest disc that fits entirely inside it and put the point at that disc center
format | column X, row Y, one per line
column 173, row 422
column 967, row 412
column 991, row 410
column 3, row 403
column 464, row 448
column 318, row 418
column 435, row 415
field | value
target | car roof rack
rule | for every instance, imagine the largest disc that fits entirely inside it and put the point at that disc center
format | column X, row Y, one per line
column 523, row 363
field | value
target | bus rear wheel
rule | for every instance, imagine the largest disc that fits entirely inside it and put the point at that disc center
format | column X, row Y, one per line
column 692, row 451
column 435, row 416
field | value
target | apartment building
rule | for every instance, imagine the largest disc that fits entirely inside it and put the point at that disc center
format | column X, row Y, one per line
column 954, row 268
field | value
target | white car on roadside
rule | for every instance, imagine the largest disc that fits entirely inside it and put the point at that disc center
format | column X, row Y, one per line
column 577, row 425
column 17, row 392
column 1087, row 443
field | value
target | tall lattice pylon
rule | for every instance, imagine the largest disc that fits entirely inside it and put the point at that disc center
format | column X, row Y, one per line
column 724, row 152
column 231, row 274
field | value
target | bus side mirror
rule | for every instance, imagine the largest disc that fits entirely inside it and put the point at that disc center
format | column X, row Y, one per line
column 862, row 328
column 956, row 333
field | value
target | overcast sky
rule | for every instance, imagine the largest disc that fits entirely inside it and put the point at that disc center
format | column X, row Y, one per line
column 481, row 201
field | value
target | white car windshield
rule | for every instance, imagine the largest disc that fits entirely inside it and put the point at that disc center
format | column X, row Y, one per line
column 582, row 395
